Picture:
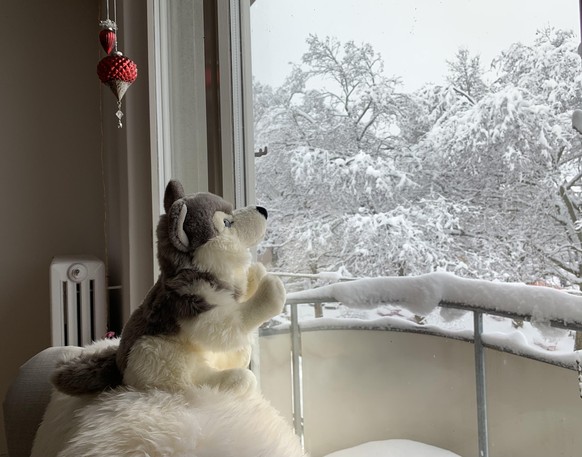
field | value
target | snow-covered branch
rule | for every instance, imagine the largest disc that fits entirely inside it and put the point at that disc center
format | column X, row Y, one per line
column 573, row 181
column 464, row 94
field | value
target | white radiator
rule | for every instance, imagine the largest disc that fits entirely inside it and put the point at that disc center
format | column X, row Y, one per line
column 78, row 300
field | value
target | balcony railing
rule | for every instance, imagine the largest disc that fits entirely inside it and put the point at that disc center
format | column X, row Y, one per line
column 422, row 294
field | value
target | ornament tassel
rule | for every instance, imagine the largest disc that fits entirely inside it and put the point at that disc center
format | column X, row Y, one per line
column 119, row 115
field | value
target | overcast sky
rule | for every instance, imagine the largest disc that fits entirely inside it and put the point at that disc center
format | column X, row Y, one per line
column 414, row 37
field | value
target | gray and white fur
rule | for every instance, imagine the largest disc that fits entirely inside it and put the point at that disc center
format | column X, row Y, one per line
column 195, row 324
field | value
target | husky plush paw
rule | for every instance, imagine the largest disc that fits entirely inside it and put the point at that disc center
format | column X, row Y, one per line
column 255, row 273
column 271, row 294
column 267, row 301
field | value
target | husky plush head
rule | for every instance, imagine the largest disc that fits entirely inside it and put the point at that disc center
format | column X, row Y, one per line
column 202, row 230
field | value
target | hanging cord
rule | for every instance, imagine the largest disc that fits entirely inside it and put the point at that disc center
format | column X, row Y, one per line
column 119, row 113
column 102, row 157
column 115, row 18
column 107, row 22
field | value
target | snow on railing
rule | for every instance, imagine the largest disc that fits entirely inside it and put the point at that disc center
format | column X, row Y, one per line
column 422, row 294
column 544, row 307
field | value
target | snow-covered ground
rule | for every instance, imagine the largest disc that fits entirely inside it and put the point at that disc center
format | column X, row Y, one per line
column 393, row 448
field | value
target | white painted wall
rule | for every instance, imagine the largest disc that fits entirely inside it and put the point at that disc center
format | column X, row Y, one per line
column 373, row 385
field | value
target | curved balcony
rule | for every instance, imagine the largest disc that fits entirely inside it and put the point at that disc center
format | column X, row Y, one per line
column 468, row 382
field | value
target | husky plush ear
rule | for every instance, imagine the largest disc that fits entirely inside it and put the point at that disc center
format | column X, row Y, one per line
column 176, row 210
column 176, row 219
column 174, row 191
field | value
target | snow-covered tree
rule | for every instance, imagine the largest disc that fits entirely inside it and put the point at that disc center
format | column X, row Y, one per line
column 466, row 75
column 549, row 69
column 486, row 183
column 337, row 99
column 514, row 156
column 430, row 106
column 358, row 214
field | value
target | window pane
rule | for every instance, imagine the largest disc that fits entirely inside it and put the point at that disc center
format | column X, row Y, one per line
column 400, row 138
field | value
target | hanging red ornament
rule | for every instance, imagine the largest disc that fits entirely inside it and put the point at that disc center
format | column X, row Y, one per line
column 118, row 72
column 108, row 39
column 115, row 70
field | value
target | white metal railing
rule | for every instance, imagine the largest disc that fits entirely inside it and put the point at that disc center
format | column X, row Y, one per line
column 563, row 311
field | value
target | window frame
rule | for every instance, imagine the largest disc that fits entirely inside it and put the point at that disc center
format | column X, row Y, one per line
column 203, row 137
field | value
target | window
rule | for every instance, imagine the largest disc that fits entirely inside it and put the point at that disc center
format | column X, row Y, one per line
column 199, row 61
column 433, row 136
column 403, row 138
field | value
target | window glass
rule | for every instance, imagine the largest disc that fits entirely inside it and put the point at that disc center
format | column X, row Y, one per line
column 402, row 138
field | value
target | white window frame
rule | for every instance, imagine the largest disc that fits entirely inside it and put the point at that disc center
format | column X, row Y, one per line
column 178, row 98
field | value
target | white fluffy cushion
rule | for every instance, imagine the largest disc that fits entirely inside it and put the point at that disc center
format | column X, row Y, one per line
column 199, row 422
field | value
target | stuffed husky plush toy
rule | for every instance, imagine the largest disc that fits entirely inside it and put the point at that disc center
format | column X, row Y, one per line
column 176, row 384
column 195, row 324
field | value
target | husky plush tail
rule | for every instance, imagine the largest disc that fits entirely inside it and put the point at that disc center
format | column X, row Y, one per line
column 89, row 373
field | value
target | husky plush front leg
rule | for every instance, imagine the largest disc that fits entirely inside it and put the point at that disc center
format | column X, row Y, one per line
column 267, row 298
column 255, row 273
column 265, row 303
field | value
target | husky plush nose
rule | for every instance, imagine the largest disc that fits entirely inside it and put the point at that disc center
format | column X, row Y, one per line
column 263, row 211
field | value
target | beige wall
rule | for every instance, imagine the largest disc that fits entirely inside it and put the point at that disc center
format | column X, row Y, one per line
column 374, row 385
column 51, row 190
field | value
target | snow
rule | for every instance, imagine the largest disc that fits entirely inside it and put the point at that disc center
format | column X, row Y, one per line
column 500, row 333
column 422, row 294
column 484, row 186
column 330, row 275
column 412, row 304
column 393, row 448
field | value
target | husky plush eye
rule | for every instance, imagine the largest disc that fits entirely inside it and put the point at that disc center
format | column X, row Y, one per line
column 227, row 223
